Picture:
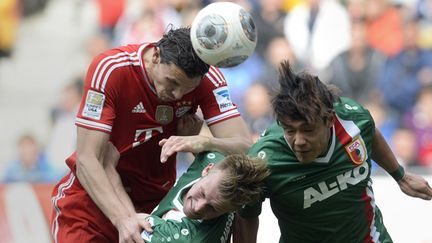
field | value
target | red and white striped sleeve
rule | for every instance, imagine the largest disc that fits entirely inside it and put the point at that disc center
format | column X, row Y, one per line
column 97, row 109
column 215, row 101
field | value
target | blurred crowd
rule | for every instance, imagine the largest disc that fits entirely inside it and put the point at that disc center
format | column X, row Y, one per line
column 378, row 52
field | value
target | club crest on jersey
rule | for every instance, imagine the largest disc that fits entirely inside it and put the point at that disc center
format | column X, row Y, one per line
column 164, row 114
column 183, row 107
column 93, row 105
column 357, row 151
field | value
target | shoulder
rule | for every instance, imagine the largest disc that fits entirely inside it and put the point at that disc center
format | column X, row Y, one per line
column 119, row 56
column 348, row 108
column 201, row 161
column 349, row 111
column 213, row 79
column 270, row 141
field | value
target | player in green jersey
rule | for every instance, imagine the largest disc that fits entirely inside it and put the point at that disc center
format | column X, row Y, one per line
column 319, row 154
column 199, row 208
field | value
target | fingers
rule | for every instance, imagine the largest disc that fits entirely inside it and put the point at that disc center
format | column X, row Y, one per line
column 416, row 186
column 170, row 148
column 146, row 226
column 137, row 238
column 162, row 142
column 167, row 145
column 425, row 192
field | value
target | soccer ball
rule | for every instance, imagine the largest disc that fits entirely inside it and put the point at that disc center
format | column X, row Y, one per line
column 223, row 34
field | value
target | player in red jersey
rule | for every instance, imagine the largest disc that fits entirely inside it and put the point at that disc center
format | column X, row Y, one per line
column 134, row 97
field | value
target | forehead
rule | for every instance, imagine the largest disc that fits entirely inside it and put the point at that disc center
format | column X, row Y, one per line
column 211, row 185
column 174, row 72
column 295, row 123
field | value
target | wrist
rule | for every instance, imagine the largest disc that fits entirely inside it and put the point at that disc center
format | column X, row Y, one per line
column 207, row 145
column 398, row 174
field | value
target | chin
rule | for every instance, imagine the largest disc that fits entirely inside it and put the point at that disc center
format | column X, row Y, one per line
column 304, row 160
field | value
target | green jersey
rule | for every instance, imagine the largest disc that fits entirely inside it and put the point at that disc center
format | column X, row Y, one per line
column 331, row 199
column 169, row 222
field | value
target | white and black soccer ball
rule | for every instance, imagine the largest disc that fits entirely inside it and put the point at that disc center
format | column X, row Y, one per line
column 223, row 34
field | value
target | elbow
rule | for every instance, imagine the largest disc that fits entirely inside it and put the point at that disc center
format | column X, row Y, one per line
column 80, row 165
column 82, row 162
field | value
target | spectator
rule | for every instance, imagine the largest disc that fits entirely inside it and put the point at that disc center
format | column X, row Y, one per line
column 147, row 24
column 318, row 31
column 356, row 9
column 355, row 71
column 403, row 75
column 242, row 76
column 420, row 121
column 385, row 121
column 268, row 17
column 404, row 146
column 424, row 12
column 384, row 26
column 62, row 141
column 257, row 115
column 110, row 12
column 277, row 50
column 30, row 164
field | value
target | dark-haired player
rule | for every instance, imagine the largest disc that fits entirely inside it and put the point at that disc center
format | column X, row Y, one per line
column 134, row 97
column 319, row 155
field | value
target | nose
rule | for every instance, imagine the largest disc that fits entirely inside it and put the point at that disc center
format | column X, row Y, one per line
column 299, row 140
column 200, row 206
column 178, row 94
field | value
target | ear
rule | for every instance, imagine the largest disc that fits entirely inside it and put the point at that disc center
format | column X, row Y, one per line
column 207, row 169
column 156, row 55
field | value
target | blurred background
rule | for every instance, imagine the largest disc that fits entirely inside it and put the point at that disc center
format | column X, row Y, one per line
column 378, row 52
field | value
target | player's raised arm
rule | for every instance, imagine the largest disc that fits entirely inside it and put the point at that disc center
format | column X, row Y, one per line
column 228, row 137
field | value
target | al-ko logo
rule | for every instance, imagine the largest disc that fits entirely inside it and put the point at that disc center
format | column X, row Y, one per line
column 223, row 98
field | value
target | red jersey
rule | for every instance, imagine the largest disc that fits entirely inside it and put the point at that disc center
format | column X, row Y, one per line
column 119, row 99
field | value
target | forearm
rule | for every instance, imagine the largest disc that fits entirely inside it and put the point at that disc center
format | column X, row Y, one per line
column 382, row 154
column 95, row 181
column 119, row 188
column 229, row 137
column 245, row 229
column 227, row 146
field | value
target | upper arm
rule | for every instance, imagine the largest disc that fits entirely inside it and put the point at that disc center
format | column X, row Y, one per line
column 234, row 127
column 90, row 144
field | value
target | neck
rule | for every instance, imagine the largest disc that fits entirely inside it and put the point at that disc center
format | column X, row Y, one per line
column 147, row 60
column 329, row 140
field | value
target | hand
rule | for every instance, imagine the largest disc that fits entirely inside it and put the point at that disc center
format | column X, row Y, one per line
column 189, row 125
column 147, row 226
column 415, row 186
column 130, row 228
column 174, row 144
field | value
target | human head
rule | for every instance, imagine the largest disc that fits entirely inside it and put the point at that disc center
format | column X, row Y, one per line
column 175, row 68
column 257, row 101
column 226, row 186
column 28, row 150
column 304, row 108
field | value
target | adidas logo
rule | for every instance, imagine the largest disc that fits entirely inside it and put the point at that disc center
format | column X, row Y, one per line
column 139, row 108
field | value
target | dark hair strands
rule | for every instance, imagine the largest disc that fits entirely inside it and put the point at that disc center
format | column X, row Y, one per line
column 303, row 97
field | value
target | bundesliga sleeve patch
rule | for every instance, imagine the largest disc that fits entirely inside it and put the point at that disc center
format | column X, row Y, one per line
column 93, row 105
column 223, row 98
